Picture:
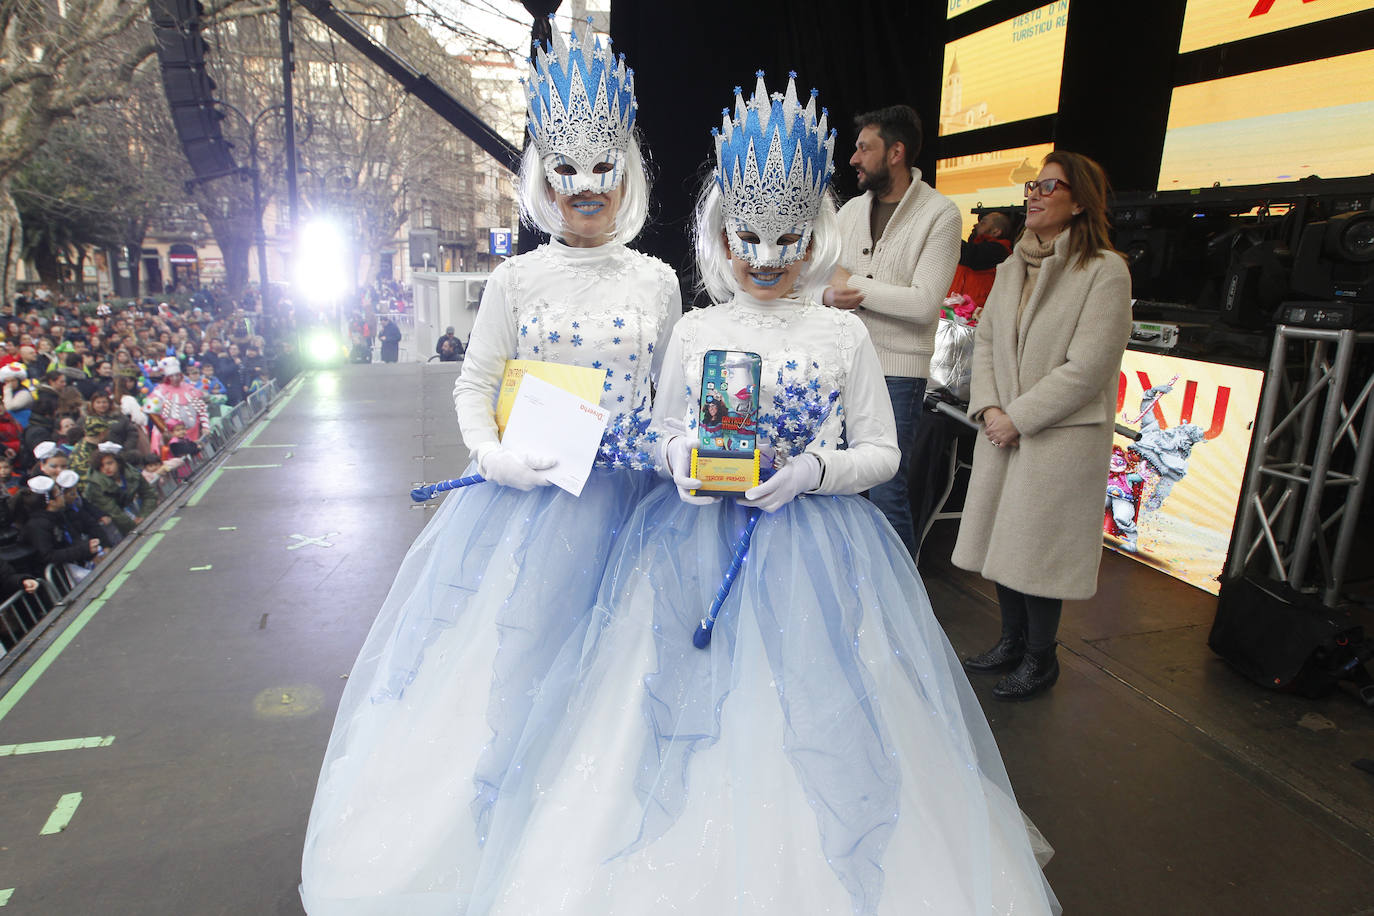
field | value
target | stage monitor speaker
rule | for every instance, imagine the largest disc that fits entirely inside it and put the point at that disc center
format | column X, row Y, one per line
column 1284, row 640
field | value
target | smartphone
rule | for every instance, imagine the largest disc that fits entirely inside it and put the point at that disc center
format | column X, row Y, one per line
column 729, row 409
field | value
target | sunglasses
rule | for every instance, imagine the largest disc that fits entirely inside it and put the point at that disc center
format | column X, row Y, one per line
column 1046, row 186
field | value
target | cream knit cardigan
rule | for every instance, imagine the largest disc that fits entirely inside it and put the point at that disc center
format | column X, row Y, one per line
column 904, row 278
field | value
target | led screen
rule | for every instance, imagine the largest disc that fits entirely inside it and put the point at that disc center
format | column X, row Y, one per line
column 962, row 6
column 995, row 179
column 1282, row 124
column 1214, row 22
column 1007, row 72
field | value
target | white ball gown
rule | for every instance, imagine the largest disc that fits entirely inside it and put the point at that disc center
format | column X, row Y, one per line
column 495, row 585
column 825, row 754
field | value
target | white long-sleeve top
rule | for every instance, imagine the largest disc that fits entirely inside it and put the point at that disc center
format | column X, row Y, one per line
column 821, row 381
column 604, row 308
column 904, row 276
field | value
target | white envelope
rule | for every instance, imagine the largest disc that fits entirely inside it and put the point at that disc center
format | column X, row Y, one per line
column 549, row 421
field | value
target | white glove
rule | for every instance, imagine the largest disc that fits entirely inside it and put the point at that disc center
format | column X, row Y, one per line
column 676, row 456
column 506, row 468
column 801, row 474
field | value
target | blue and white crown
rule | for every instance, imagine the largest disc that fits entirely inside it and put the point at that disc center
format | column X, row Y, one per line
column 581, row 99
column 774, row 160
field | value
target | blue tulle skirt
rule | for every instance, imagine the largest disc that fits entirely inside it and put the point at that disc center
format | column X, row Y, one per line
column 825, row 754
column 437, row 702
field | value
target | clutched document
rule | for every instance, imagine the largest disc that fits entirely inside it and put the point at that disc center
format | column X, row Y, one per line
column 548, row 420
column 579, row 380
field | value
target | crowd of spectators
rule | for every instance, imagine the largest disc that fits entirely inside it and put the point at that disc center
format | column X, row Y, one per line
column 101, row 402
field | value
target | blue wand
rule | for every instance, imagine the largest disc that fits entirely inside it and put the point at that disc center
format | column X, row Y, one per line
column 701, row 636
column 431, row 490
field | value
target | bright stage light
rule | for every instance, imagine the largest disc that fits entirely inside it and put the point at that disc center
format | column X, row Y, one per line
column 321, row 262
column 324, row 348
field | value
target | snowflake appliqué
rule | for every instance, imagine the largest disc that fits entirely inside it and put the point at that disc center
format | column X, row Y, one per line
column 553, row 337
column 627, row 442
column 576, row 341
column 619, row 322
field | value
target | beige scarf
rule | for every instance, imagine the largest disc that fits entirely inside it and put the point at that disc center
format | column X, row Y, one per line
column 1032, row 251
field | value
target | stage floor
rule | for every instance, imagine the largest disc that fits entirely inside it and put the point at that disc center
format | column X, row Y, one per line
column 190, row 704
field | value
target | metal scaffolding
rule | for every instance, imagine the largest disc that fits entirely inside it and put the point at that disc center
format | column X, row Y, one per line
column 1291, row 477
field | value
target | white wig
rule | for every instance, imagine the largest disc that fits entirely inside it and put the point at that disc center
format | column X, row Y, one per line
column 538, row 209
column 713, row 262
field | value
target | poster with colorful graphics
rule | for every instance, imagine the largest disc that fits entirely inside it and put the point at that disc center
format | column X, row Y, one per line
column 1172, row 495
column 1006, row 72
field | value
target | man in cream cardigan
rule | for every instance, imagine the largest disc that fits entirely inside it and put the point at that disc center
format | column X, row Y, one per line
column 899, row 249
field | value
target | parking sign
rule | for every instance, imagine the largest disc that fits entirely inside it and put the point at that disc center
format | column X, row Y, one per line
column 500, row 242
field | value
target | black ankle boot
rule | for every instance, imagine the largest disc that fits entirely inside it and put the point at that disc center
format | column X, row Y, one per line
column 1037, row 673
column 1004, row 656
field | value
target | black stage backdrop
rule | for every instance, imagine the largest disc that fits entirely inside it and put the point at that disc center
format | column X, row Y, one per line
column 688, row 57
column 1119, row 65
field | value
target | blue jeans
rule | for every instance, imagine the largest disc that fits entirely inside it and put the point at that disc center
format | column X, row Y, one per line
column 893, row 498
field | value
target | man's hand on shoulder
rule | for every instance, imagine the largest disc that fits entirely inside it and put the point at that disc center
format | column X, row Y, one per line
column 838, row 294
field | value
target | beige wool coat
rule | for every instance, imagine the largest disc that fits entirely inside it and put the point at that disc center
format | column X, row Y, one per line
column 1032, row 520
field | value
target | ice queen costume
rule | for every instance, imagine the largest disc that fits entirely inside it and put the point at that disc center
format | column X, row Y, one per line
column 503, row 575
column 825, row 754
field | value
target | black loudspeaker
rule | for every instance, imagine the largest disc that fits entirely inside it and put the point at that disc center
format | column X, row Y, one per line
column 190, row 92
column 1284, row 640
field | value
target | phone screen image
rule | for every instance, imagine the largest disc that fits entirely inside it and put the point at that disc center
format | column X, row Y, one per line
column 728, row 417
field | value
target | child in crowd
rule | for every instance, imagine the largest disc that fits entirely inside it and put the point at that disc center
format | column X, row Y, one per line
column 119, row 492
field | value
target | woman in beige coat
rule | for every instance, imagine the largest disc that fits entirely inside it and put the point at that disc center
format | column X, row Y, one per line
column 1045, row 364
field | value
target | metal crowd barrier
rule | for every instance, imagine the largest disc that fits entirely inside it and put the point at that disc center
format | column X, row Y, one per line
column 24, row 617
column 20, row 613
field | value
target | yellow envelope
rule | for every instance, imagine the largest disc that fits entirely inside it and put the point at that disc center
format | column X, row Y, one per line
column 579, row 380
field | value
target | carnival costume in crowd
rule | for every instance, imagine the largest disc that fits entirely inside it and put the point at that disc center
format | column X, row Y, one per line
column 823, row 754
column 180, row 404
column 507, row 571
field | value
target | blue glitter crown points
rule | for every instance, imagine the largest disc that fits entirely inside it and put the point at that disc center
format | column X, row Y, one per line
column 580, row 96
column 774, row 138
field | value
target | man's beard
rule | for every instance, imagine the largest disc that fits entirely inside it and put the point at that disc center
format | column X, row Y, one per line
column 877, row 182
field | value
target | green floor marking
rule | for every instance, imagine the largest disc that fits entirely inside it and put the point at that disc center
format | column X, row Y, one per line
column 199, row 568
column 229, row 528
column 205, row 487
column 61, row 815
column 43, row 747
column 50, row 654
column 252, row 436
column 5, row 895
